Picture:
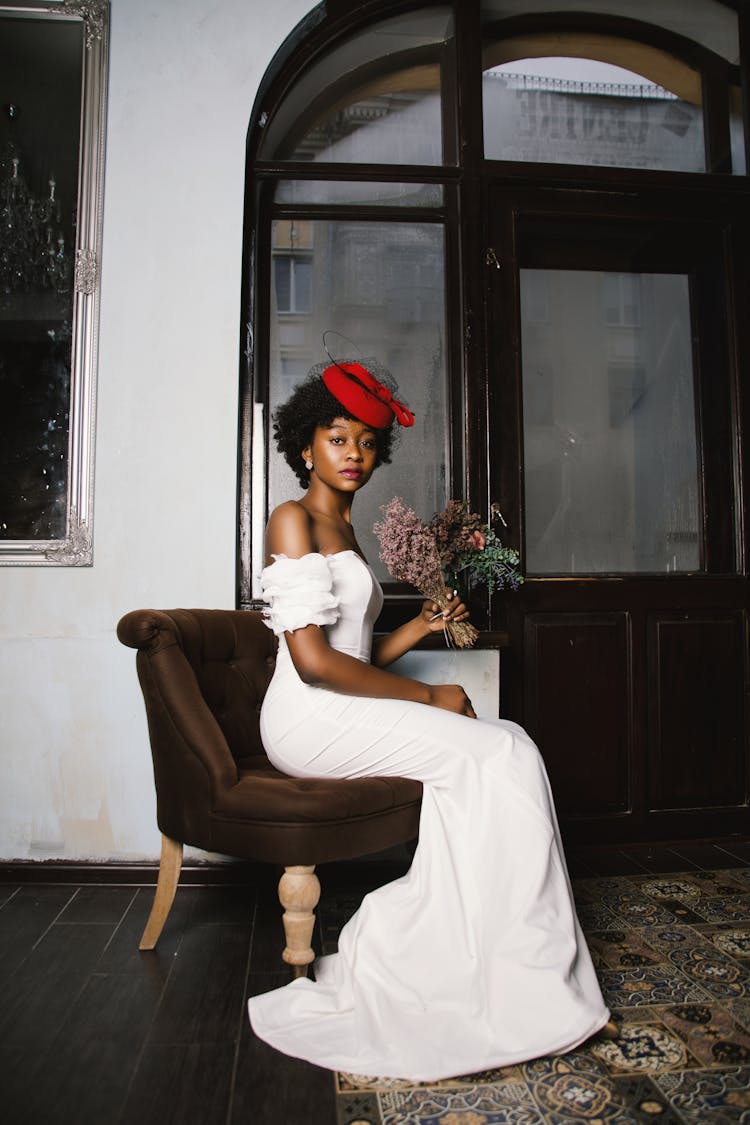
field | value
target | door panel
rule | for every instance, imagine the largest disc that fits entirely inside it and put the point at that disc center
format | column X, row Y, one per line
column 614, row 416
column 696, row 718
column 578, row 690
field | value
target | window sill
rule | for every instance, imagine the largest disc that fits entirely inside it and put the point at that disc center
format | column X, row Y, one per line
column 436, row 642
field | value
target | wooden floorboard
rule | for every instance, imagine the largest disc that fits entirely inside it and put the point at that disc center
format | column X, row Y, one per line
column 738, row 848
column 88, row 1067
column 24, row 918
column 706, row 856
column 97, row 906
column 613, row 862
column 270, row 1087
column 122, row 955
column 181, row 1083
column 7, row 891
column 38, row 997
column 15, row 1068
column 202, row 995
column 658, row 860
column 223, row 905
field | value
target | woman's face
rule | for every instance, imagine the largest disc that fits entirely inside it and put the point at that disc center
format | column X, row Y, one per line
column 343, row 454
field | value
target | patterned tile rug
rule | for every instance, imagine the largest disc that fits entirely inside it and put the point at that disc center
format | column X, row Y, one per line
column 673, row 957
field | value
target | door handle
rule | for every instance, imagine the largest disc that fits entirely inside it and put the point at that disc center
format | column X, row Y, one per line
column 497, row 514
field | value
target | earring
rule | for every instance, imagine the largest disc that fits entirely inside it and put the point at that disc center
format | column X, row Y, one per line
column 308, row 464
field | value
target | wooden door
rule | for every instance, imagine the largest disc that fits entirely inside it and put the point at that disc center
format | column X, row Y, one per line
column 616, row 401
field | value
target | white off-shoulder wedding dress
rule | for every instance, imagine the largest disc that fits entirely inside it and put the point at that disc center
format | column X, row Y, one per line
column 473, row 959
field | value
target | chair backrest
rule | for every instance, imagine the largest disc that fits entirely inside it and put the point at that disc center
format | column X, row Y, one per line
column 231, row 653
column 203, row 673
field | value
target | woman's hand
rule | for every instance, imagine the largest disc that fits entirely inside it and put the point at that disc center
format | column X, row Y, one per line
column 451, row 697
column 434, row 620
column 430, row 619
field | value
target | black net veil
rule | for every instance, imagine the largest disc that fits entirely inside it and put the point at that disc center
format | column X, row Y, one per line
column 342, row 350
column 374, row 366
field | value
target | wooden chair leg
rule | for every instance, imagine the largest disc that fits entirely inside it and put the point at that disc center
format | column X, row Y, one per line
column 299, row 892
column 170, row 867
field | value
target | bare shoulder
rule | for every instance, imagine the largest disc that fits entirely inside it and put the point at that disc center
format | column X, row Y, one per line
column 290, row 531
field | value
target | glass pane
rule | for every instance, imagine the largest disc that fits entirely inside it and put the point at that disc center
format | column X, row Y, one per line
column 736, row 131
column 368, row 193
column 376, row 99
column 575, row 110
column 382, row 285
column 610, row 461
column 709, row 22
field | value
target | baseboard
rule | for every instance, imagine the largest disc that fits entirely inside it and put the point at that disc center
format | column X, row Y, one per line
column 237, row 873
column 196, row 874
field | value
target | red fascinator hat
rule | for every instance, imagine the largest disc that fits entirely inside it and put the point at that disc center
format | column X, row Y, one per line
column 364, row 396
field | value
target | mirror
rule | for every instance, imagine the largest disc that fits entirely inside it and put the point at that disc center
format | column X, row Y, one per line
column 52, row 105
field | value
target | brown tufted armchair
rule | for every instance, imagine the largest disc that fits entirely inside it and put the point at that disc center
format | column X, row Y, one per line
column 204, row 673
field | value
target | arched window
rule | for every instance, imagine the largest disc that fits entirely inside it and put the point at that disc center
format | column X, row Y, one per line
column 377, row 146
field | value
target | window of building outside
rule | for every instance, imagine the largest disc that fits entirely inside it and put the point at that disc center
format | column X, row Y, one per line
column 364, row 186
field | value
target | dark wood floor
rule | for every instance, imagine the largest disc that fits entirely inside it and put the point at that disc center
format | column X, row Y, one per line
column 92, row 1031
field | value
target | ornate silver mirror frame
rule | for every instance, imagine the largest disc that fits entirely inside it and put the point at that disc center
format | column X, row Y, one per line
column 73, row 546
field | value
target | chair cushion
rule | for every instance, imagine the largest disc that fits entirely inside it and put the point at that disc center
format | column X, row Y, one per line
column 264, row 795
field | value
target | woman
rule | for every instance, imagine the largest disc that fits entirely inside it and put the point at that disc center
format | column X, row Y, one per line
column 475, row 958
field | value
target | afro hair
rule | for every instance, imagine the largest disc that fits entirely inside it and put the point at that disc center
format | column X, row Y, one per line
column 311, row 405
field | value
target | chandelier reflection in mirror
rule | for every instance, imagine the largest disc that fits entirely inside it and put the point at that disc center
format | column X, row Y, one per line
column 33, row 257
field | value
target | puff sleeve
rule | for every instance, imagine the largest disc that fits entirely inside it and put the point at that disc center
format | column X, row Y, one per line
column 298, row 592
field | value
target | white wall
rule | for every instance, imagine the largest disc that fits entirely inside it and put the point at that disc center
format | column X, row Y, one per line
column 75, row 771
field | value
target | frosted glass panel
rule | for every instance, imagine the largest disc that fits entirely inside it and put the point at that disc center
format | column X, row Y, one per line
column 375, row 99
column 610, row 463
column 382, row 285
column 365, row 192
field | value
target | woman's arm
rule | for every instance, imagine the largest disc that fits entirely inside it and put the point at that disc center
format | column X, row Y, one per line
column 389, row 648
column 322, row 666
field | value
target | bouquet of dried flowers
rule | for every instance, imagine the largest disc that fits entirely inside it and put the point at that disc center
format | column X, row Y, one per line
column 452, row 550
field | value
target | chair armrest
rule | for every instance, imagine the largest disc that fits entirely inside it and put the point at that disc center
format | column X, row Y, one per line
column 148, row 630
